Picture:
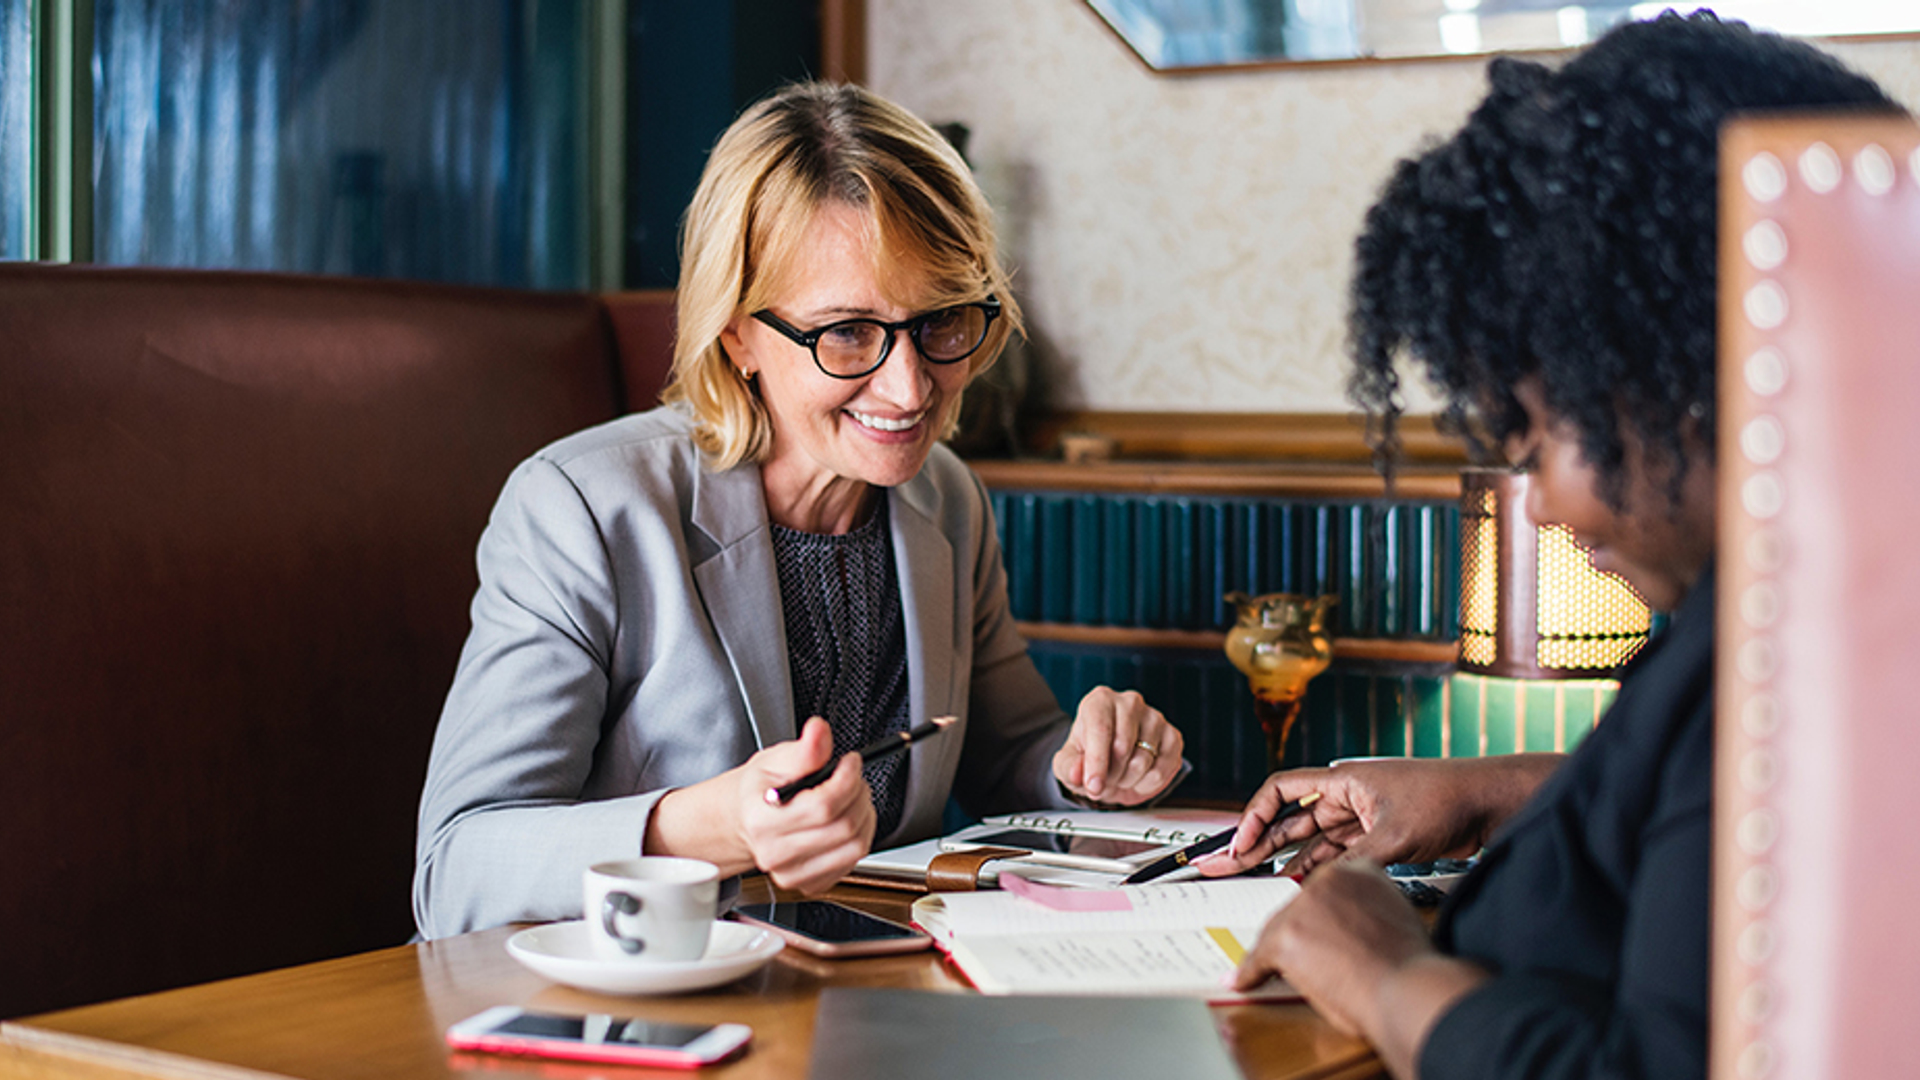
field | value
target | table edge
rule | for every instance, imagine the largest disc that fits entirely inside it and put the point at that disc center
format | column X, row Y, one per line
column 115, row 1058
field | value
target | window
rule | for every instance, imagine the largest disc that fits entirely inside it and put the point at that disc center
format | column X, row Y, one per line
column 442, row 140
column 497, row 142
column 433, row 139
column 16, row 128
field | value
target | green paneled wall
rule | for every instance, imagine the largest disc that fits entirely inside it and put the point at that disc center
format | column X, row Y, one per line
column 1354, row 709
column 1163, row 561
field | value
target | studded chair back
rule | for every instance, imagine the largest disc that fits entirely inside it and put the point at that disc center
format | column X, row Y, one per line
column 1817, row 944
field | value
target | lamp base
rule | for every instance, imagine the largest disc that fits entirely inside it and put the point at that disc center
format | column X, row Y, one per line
column 1276, row 722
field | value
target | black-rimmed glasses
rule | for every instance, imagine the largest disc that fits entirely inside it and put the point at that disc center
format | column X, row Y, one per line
column 851, row 348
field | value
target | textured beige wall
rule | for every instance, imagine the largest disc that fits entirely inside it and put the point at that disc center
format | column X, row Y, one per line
column 1182, row 242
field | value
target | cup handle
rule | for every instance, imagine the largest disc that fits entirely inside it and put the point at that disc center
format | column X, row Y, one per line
column 619, row 903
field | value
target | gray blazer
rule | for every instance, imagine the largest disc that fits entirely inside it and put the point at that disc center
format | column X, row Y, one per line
column 628, row 639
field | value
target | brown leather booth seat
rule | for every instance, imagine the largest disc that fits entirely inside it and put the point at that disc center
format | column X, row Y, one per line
column 237, row 524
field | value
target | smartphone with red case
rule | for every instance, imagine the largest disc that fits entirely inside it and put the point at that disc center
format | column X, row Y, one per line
column 505, row 1029
column 825, row 928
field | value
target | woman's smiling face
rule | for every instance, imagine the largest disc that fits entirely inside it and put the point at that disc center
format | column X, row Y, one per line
column 832, row 438
column 1658, row 546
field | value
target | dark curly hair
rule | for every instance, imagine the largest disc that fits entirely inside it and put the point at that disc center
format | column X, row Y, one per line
column 1568, row 232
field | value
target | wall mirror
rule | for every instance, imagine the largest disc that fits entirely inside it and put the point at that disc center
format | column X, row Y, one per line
column 1192, row 35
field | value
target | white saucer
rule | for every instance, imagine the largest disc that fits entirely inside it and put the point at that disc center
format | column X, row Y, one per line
column 562, row 952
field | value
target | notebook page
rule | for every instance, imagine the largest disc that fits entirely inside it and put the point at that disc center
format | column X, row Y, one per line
column 1173, row 939
column 1183, row 905
column 1175, row 963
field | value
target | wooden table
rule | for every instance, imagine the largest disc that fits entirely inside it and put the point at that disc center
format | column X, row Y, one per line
column 382, row 1014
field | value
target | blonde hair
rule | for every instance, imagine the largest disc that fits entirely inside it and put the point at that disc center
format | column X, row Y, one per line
column 798, row 150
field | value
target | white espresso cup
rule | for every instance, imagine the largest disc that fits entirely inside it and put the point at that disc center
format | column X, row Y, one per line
column 652, row 909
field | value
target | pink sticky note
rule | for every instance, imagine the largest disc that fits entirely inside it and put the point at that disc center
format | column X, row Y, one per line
column 1059, row 899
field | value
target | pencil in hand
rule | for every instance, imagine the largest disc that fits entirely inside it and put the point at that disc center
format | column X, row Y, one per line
column 884, row 746
column 1167, row 864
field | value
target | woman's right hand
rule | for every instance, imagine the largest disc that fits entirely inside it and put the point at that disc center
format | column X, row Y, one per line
column 807, row 843
column 1388, row 810
column 811, row 841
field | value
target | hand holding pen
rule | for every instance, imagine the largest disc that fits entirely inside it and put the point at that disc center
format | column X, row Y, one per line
column 1194, row 853
column 1388, row 810
column 806, row 845
column 883, row 747
column 795, row 810
column 1268, row 827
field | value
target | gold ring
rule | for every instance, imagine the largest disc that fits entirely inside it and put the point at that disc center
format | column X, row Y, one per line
column 1148, row 747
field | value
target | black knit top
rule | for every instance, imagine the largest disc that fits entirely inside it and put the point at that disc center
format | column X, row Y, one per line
column 847, row 644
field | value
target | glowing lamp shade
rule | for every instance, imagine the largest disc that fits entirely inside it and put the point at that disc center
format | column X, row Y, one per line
column 1531, row 605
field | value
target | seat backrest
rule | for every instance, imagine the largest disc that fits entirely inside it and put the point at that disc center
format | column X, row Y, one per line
column 237, row 524
column 1817, row 863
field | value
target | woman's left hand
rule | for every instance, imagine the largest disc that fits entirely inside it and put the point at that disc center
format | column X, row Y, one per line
column 1353, row 946
column 1121, row 750
column 1337, row 941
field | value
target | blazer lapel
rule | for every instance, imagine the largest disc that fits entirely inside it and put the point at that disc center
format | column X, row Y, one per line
column 924, row 562
column 740, row 587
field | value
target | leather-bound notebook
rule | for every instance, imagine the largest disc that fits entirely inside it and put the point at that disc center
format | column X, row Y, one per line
column 922, row 1035
column 1817, row 818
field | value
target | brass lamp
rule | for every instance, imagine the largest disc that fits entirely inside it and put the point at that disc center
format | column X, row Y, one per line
column 1531, row 605
column 1279, row 642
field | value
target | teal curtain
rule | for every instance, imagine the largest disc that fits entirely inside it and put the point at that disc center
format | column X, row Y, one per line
column 442, row 140
column 16, row 128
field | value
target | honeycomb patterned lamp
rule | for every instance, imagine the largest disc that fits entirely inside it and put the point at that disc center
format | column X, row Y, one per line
column 1531, row 605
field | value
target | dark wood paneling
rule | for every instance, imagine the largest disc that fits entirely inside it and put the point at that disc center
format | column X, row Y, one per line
column 1263, row 437
column 843, row 40
column 1242, row 479
column 1405, row 650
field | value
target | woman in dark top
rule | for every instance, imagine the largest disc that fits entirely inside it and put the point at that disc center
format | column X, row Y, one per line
column 1552, row 268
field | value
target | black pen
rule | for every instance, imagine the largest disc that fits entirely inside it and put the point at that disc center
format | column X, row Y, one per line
column 1167, row 864
column 884, row 746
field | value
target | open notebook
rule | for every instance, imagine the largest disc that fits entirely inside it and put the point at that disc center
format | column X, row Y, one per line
column 1148, row 832
column 1178, row 940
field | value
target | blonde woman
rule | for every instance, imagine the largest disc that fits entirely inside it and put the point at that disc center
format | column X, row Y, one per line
column 683, row 608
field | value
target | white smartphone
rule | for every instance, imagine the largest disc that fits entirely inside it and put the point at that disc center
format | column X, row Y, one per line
column 505, row 1029
column 1106, row 854
column 825, row 928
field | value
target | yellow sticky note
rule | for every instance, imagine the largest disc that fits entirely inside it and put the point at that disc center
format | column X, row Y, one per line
column 1229, row 944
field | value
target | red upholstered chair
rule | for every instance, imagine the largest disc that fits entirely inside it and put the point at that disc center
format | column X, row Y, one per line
column 1817, row 861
